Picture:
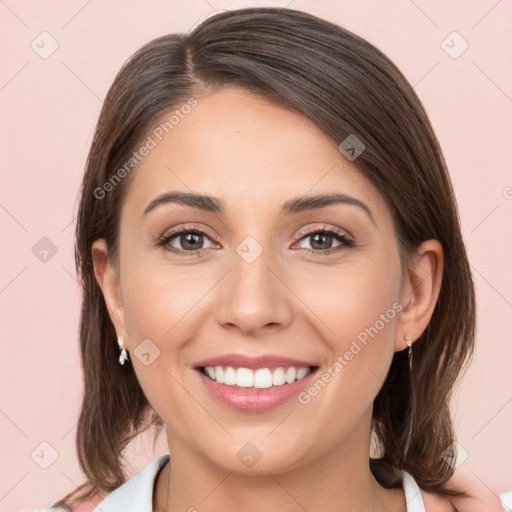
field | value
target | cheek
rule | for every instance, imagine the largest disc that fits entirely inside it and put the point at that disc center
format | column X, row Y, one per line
column 157, row 297
column 366, row 316
column 161, row 305
column 358, row 308
column 351, row 297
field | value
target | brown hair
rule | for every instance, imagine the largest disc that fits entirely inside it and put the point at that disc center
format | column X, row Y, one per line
column 345, row 86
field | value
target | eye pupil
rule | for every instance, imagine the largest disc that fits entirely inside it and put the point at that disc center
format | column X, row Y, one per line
column 188, row 240
column 318, row 237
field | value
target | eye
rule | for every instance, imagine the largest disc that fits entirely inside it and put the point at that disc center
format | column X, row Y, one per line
column 188, row 241
column 322, row 240
column 191, row 241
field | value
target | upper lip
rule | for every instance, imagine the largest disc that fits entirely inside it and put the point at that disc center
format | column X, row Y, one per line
column 253, row 362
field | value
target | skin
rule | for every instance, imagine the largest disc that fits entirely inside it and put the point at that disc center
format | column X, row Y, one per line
column 475, row 497
column 255, row 156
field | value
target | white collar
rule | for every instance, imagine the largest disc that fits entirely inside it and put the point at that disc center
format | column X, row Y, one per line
column 413, row 497
column 136, row 494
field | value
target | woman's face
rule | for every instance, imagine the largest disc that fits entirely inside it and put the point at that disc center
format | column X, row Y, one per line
column 257, row 282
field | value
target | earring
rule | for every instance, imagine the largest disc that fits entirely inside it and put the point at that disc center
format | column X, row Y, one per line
column 410, row 428
column 408, row 340
column 123, row 356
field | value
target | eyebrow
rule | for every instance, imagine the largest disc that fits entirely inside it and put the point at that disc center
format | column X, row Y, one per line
column 215, row 205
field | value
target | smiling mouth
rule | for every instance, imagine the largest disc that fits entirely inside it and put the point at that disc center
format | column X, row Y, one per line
column 262, row 378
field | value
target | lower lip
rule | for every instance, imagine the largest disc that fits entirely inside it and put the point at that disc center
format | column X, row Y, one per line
column 255, row 400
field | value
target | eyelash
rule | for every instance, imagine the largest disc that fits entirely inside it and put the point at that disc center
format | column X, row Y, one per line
column 346, row 243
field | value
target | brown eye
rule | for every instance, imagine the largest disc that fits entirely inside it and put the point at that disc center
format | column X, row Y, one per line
column 322, row 240
column 188, row 240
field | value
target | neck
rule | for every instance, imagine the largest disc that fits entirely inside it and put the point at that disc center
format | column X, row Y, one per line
column 337, row 481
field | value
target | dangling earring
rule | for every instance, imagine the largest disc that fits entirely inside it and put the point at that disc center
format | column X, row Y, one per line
column 123, row 356
column 410, row 429
column 408, row 340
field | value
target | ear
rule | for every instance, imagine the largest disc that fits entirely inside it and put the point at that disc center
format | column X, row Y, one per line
column 420, row 291
column 107, row 276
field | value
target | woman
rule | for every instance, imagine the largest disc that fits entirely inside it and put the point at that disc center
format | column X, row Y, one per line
column 273, row 270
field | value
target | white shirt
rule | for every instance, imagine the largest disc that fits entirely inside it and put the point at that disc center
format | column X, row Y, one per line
column 136, row 494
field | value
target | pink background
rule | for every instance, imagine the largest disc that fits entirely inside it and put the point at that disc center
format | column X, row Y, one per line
column 49, row 108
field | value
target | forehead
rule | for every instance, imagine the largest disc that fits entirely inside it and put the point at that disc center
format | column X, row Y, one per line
column 251, row 153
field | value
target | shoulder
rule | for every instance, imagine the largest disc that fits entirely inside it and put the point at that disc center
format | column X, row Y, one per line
column 87, row 506
column 77, row 505
column 134, row 495
column 53, row 508
column 44, row 510
column 436, row 503
column 472, row 495
column 419, row 500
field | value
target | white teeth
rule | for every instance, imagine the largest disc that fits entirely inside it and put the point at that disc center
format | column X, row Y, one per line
column 301, row 373
column 229, row 377
column 219, row 375
column 291, row 373
column 261, row 378
column 244, row 377
column 278, row 378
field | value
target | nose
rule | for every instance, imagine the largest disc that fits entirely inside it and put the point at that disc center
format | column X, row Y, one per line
column 254, row 297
